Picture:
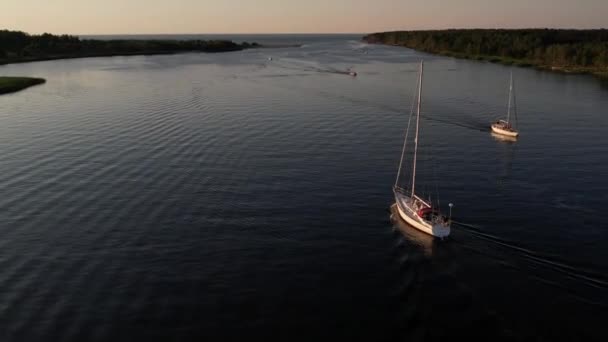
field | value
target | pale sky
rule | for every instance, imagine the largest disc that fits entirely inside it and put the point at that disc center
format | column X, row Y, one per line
column 293, row 16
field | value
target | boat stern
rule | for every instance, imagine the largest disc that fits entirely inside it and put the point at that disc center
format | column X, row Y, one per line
column 441, row 230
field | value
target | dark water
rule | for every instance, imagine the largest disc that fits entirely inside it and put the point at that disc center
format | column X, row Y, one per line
column 230, row 197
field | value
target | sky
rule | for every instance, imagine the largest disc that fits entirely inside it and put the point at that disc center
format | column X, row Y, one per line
column 293, row 16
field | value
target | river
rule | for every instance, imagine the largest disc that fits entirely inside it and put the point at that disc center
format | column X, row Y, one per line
column 248, row 195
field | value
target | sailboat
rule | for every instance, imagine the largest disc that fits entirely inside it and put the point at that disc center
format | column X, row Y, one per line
column 417, row 212
column 505, row 127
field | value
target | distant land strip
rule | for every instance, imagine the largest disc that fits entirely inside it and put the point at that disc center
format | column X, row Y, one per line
column 562, row 50
column 14, row 84
column 19, row 47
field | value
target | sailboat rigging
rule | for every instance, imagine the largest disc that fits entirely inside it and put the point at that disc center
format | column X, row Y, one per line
column 412, row 208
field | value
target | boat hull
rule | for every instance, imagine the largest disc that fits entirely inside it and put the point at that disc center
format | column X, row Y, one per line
column 414, row 220
column 505, row 132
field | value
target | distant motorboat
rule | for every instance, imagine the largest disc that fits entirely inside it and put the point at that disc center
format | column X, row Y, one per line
column 505, row 127
column 269, row 58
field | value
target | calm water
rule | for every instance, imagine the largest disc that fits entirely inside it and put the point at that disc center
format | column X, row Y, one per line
column 230, row 196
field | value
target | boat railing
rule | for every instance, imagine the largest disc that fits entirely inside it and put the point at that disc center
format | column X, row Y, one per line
column 423, row 201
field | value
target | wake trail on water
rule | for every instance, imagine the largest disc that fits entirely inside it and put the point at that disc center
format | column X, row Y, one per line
column 573, row 272
column 461, row 120
column 311, row 68
column 464, row 122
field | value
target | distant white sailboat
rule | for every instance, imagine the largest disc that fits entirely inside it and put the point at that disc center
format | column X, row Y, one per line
column 505, row 127
column 412, row 208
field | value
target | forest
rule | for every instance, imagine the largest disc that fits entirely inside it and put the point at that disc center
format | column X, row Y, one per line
column 576, row 51
column 17, row 46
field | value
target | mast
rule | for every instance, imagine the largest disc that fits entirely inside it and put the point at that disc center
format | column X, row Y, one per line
column 510, row 92
column 514, row 101
column 407, row 132
column 401, row 160
column 417, row 128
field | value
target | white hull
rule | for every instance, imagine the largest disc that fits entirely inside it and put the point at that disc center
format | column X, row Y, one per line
column 410, row 216
column 503, row 138
column 414, row 235
column 504, row 132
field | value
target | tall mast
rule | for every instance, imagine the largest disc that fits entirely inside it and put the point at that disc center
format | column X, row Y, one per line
column 514, row 101
column 402, row 154
column 407, row 132
column 510, row 92
column 417, row 128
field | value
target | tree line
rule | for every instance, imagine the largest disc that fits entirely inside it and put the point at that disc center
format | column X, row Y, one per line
column 554, row 48
column 19, row 46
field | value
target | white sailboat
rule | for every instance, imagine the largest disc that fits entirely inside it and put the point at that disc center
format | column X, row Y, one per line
column 505, row 127
column 419, row 213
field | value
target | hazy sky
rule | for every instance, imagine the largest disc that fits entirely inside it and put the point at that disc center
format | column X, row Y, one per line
column 292, row 16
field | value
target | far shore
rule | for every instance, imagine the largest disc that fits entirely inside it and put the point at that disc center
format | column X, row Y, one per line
column 28, row 59
column 118, row 54
column 558, row 50
column 21, row 47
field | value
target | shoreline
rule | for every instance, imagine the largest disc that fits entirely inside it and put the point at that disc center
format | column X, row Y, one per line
column 93, row 55
column 567, row 70
column 7, row 61
column 581, row 52
column 20, row 47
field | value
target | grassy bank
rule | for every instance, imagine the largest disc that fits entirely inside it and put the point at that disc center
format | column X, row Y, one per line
column 567, row 51
column 13, row 84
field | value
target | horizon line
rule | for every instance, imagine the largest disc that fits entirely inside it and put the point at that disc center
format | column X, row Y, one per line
column 314, row 33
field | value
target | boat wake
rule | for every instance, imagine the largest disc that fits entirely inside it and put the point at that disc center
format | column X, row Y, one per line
column 462, row 121
column 585, row 277
column 313, row 68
